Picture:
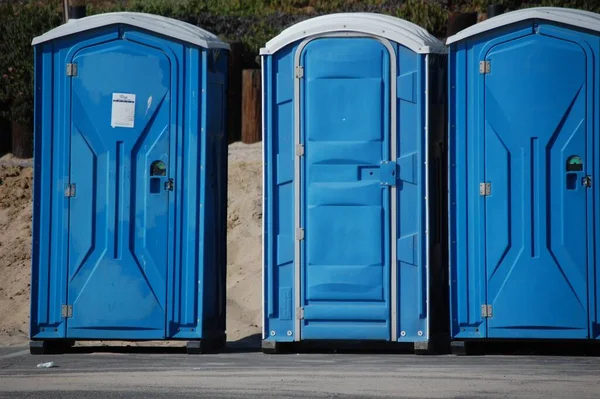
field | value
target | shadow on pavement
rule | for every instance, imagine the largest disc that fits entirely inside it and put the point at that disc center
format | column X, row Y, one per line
column 249, row 344
column 245, row 345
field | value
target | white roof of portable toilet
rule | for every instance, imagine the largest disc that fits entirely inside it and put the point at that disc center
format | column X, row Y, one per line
column 579, row 18
column 398, row 30
column 165, row 26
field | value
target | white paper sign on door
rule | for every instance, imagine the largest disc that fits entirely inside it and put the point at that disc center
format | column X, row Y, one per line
column 123, row 110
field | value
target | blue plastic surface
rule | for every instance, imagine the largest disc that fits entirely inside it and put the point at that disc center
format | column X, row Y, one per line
column 528, row 248
column 134, row 259
column 346, row 212
column 345, row 186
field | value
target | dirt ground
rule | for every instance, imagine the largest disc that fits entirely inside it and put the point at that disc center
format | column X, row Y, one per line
column 243, row 240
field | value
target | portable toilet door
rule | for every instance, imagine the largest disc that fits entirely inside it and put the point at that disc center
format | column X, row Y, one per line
column 345, row 134
column 523, row 155
column 124, row 247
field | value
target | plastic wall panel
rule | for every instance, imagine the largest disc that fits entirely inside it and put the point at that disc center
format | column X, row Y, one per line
column 279, row 117
column 411, row 245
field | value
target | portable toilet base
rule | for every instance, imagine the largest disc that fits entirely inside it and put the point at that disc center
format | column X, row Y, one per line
column 352, row 250
column 60, row 346
column 130, row 183
column 271, row 347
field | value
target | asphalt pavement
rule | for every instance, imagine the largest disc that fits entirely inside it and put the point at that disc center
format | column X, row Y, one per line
column 92, row 374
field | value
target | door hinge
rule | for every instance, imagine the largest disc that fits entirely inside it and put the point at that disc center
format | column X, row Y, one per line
column 70, row 190
column 299, row 313
column 299, row 150
column 169, row 185
column 300, row 234
column 485, row 189
column 66, row 311
column 485, row 67
column 299, row 72
column 486, row 311
column 71, row 69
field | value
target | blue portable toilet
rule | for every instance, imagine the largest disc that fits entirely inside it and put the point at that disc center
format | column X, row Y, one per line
column 523, row 152
column 130, row 183
column 351, row 102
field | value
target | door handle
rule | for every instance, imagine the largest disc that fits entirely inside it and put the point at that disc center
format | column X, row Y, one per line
column 169, row 185
column 586, row 181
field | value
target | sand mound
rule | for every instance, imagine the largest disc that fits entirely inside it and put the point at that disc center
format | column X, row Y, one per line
column 243, row 240
column 15, row 250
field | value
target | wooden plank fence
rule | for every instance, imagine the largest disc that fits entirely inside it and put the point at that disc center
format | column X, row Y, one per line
column 251, row 106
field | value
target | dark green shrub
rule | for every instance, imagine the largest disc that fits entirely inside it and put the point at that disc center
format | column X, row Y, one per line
column 252, row 22
column 430, row 15
column 19, row 23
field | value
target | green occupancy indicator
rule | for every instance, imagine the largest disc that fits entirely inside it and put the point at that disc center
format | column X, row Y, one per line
column 574, row 164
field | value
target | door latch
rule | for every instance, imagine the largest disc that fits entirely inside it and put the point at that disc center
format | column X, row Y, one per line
column 587, row 181
column 387, row 172
column 169, row 185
